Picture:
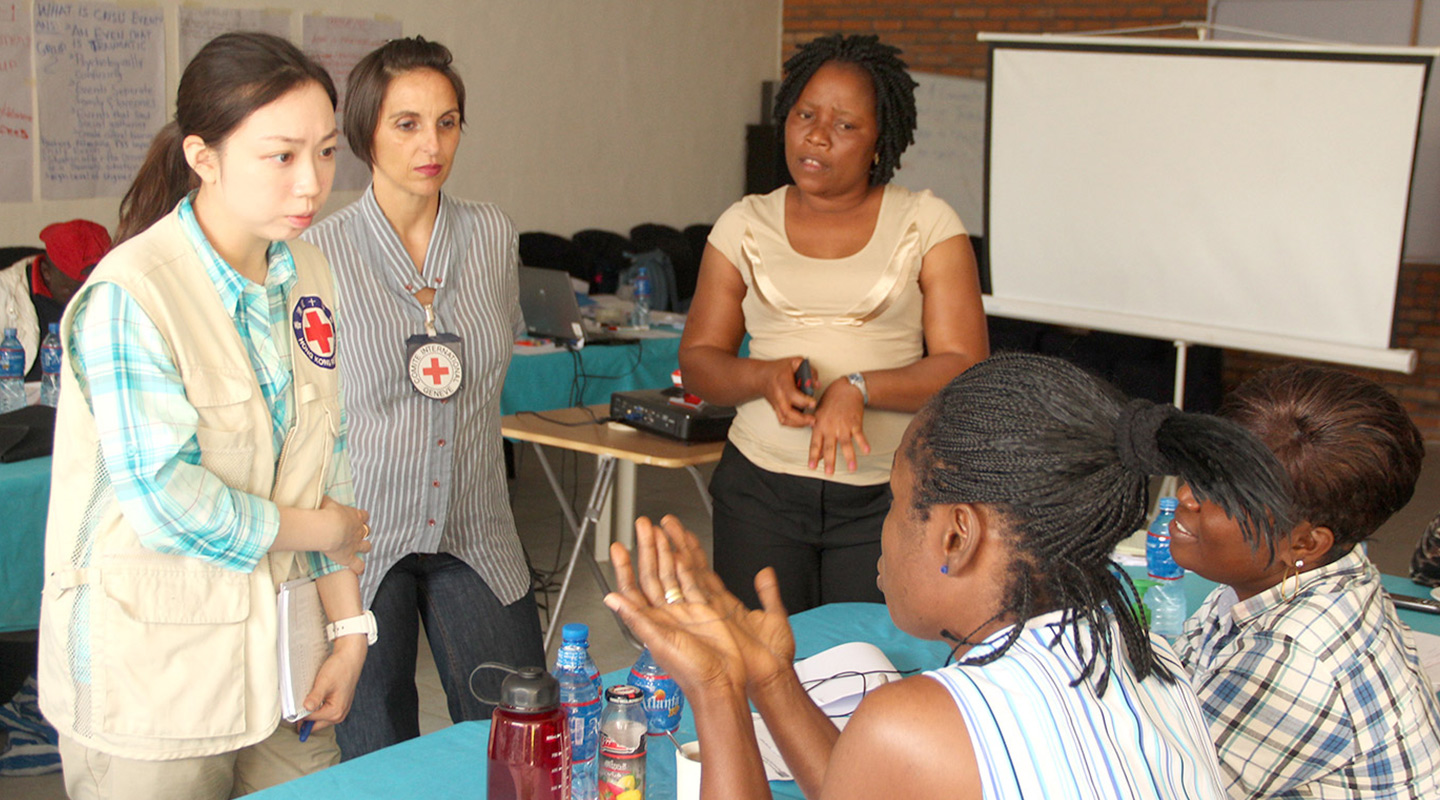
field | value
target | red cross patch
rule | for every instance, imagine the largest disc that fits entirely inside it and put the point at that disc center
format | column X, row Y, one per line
column 314, row 329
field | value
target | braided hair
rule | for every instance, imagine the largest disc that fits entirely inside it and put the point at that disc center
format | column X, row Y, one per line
column 894, row 91
column 1065, row 461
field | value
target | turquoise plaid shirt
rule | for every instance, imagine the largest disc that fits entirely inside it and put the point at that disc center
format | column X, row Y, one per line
column 146, row 425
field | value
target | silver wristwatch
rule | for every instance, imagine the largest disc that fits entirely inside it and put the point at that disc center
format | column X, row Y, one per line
column 365, row 623
column 858, row 381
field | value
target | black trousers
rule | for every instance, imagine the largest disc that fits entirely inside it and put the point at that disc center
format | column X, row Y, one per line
column 822, row 537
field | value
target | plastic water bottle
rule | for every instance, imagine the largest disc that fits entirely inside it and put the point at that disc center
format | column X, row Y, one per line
column 575, row 654
column 581, row 701
column 1166, row 598
column 50, row 367
column 663, row 700
column 529, row 753
column 640, row 317
column 622, row 744
column 12, row 372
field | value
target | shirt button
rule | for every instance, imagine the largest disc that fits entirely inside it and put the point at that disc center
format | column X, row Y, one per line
column 432, row 523
column 436, row 484
column 441, row 442
column 409, row 288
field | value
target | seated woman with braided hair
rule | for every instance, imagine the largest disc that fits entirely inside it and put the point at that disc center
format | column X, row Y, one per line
column 1012, row 487
column 1309, row 681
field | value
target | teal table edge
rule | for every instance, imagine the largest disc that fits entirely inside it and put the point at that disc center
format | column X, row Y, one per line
column 26, row 493
column 452, row 762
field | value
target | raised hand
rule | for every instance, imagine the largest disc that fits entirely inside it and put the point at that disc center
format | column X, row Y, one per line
column 763, row 635
column 667, row 609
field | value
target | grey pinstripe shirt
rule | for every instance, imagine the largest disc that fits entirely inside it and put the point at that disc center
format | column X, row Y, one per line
column 431, row 473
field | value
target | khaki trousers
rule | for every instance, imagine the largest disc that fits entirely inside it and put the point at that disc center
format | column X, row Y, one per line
column 93, row 775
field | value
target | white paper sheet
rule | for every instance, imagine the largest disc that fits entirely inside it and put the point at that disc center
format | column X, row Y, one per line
column 302, row 645
column 1428, row 646
column 199, row 25
column 837, row 680
column 100, row 70
column 17, row 115
column 338, row 43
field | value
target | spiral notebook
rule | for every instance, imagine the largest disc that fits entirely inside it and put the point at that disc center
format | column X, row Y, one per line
column 302, row 644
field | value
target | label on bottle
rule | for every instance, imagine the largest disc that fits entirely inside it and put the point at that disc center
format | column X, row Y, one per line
column 583, row 720
column 12, row 361
column 50, row 359
column 1158, row 561
column 622, row 760
column 663, row 700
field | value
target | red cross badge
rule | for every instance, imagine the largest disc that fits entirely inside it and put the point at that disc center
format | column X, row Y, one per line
column 314, row 328
column 435, row 370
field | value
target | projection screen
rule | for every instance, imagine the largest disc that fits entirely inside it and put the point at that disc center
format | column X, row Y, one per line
column 1223, row 193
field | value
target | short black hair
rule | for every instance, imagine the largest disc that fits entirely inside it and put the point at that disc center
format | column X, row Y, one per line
column 370, row 78
column 894, row 91
column 1352, row 452
column 1065, row 460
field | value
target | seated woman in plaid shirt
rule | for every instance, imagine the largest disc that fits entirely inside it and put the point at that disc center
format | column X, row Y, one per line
column 1309, row 680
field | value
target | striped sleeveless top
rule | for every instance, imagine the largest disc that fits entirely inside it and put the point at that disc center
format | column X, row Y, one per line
column 1037, row 737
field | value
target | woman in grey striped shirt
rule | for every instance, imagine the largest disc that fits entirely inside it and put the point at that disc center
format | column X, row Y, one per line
column 428, row 297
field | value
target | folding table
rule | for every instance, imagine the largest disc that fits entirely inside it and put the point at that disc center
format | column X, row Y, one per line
column 618, row 449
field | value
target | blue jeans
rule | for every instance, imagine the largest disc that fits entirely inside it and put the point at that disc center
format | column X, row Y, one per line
column 465, row 625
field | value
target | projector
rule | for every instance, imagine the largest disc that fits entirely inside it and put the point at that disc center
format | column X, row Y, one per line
column 666, row 412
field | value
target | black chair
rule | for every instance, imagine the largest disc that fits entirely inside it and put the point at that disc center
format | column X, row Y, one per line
column 10, row 255
column 607, row 253
column 683, row 259
column 548, row 250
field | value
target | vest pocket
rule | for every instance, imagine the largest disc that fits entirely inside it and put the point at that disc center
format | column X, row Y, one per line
column 173, row 663
column 226, row 428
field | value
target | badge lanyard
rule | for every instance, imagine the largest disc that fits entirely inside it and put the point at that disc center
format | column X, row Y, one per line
column 436, row 363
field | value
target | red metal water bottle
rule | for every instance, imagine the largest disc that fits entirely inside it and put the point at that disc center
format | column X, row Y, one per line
column 529, row 743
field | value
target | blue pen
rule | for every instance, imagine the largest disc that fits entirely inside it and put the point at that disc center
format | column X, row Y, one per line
column 305, row 728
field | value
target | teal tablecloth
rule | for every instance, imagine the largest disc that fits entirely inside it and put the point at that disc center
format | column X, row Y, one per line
column 451, row 762
column 549, row 381
column 25, row 496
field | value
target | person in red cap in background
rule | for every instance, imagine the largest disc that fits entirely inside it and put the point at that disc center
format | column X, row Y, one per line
column 49, row 280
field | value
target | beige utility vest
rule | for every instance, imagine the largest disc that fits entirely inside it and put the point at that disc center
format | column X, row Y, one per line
column 153, row 656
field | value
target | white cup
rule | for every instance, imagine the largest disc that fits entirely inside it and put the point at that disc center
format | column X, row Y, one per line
column 687, row 771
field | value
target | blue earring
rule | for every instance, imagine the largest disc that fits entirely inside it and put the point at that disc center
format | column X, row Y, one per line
column 944, row 569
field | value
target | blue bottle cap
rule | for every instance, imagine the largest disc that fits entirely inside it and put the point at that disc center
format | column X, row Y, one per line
column 54, row 327
column 1169, row 504
column 575, row 633
column 9, row 332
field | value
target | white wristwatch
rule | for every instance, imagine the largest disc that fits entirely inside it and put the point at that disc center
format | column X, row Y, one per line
column 858, row 381
column 365, row 623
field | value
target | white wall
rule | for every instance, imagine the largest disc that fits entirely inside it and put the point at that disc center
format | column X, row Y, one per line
column 582, row 113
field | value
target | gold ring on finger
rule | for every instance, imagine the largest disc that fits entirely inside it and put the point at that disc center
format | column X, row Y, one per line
column 673, row 595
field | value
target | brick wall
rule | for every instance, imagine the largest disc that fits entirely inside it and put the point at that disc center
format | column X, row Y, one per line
column 940, row 37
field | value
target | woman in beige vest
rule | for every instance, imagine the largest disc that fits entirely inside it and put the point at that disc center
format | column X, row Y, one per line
column 200, row 452
column 875, row 285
